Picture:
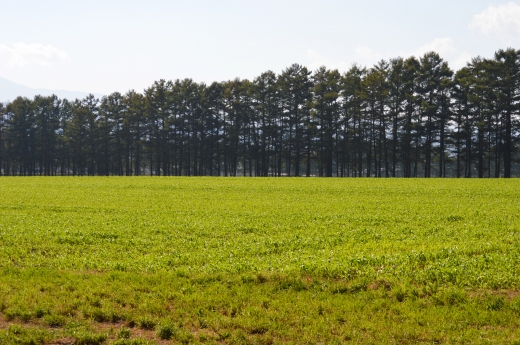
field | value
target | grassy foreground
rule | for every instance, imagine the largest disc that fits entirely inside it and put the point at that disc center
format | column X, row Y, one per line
column 259, row 261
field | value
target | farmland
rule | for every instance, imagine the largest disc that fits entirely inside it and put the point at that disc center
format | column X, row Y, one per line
column 140, row 260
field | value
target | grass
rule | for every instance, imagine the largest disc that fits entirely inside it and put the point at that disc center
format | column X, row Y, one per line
column 259, row 261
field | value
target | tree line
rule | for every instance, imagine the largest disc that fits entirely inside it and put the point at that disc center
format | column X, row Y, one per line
column 411, row 117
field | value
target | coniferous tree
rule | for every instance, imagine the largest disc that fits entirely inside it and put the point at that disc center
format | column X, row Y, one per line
column 46, row 121
column 295, row 87
column 352, row 94
column 396, row 100
column 507, row 85
column 432, row 74
column 463, row 121
column 393, row 119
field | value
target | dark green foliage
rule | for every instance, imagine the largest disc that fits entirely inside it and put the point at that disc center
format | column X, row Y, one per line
column 495, row 303
column 409, row 118
column 165, row 331
column 147, row 323
column 123, row 333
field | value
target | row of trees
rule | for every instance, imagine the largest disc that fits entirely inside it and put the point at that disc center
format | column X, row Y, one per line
column 403, row 117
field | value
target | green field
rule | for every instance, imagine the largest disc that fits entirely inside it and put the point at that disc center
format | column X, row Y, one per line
column 140, row 260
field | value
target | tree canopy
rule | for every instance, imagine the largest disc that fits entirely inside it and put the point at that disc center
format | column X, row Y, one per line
column 413, row 117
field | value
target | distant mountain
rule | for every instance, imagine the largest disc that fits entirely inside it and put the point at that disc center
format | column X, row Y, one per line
column 10, row 90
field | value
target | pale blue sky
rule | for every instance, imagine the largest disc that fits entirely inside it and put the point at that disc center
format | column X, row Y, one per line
column 106, row 46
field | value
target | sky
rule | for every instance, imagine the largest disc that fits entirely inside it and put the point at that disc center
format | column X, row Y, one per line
column 105, row 46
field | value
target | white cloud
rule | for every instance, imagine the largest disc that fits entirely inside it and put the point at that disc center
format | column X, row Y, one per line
column 366, row 53
column 316, row 60
column 443, row 46
column 502, row 21
column 447, row 50
column 366, row 56
column 23, row 54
